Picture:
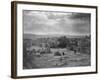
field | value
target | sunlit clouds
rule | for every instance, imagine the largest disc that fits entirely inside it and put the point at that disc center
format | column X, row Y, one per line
column 62, row 23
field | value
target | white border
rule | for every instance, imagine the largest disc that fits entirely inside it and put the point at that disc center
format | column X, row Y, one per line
column 21, row 72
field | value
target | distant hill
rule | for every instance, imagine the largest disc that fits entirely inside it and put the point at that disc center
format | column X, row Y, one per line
column 35, row 36
column 30, row 36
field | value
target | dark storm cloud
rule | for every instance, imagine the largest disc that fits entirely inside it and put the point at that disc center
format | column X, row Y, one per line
column 81, row 16
column 41, row 22
column 83, row 22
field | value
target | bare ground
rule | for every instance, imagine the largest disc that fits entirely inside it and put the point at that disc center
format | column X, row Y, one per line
column 49, row 60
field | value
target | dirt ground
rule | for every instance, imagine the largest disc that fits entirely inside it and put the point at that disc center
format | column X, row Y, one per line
column 49, row 60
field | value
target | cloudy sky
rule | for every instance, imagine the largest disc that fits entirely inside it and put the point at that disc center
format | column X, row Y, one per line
column 62, row 23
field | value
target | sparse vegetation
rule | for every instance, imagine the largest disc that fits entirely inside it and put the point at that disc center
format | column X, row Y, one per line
column 41, row 52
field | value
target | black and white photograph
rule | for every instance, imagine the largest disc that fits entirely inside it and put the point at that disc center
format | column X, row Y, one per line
column 53, row 39
column 56, row 39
